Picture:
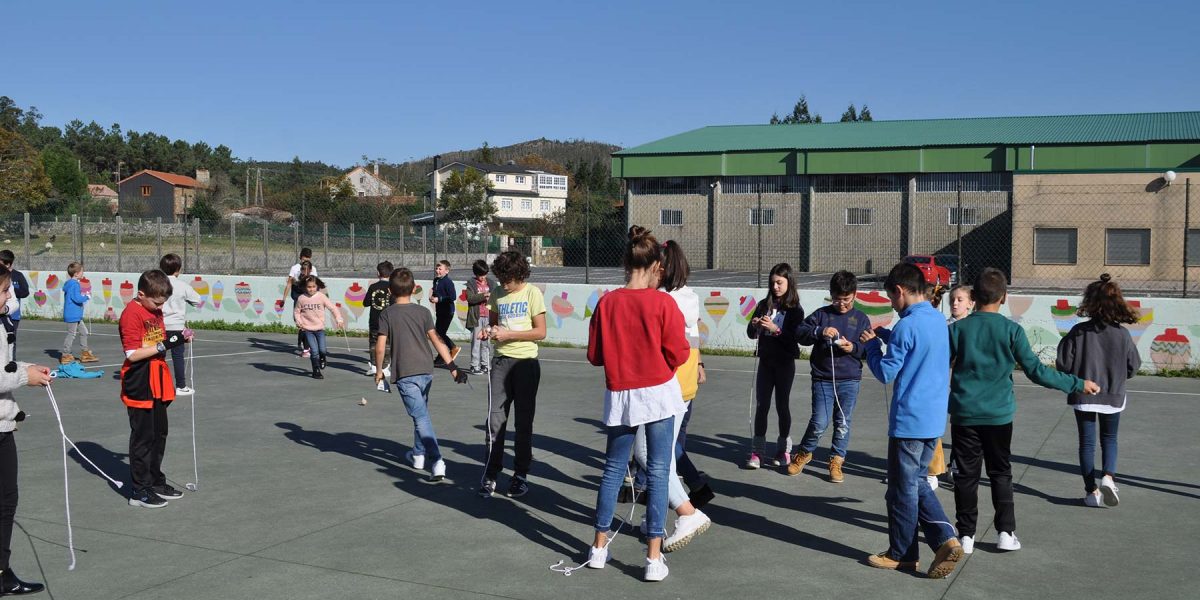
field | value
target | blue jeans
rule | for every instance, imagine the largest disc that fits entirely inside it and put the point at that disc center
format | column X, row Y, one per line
column 659, row 448
column 912, row 507
column 824, row 407
column 316, row 345
column 414, row 390
column 1086, row 423
column 683, row 464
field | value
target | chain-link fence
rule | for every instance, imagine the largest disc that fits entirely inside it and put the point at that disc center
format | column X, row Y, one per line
column 1048, row 233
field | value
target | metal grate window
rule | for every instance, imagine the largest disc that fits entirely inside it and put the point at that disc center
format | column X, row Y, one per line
column 969, row 216
column 765, row 217
column 792, row 184
column 969, row 182
column 668, row 185
column 858, row 216
column 859, row 183
column 670, row 216
column 1127, row 247
column 1193, row 247
column 1055, row 246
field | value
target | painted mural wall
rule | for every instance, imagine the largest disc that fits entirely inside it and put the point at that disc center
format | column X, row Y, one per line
column 1167, row 334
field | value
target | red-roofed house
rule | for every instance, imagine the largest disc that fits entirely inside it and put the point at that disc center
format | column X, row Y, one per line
column 105, row 194
column 157, row 194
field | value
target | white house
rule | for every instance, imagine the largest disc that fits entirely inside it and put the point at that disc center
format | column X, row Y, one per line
column 367, row 183
column 519, row 194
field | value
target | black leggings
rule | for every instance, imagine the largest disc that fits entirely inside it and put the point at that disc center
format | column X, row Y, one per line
column 774, row 375
column 8, row 494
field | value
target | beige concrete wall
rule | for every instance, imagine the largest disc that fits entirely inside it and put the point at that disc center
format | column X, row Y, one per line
column 1092, row 203
column 932, row 231
column 873, row 248
column 644, row 210
column 738, row 241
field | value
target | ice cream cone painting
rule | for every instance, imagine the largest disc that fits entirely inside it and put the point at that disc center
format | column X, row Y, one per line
column 1145, row 318
column 746, row 306
column 201, row 288
column 562, row 308
column 85, row 286
column 1171, row 351
column 106, row 290
column 343, row 311
column 354, row 297
column 1018, row 306
column 703, row 333
column 126, row 291
column 52, row 282
column 258, row 307
column 279, row 307
column 876, row 306
column 218, row 294
column 110, row 314
column 590, row 306
column 460, row 306
column 242, row 293
column 33, row 278
column 40, row 298
column 1064, row 316
column 716, row 306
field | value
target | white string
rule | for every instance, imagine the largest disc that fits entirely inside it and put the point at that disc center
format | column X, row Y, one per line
column 190, row 367
column 346, row 338
column 66, row 483
column 567, row 571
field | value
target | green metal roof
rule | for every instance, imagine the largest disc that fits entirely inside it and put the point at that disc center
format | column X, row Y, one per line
column 1065, row 129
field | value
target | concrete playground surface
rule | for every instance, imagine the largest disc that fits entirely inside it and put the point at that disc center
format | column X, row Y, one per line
column 303, row 493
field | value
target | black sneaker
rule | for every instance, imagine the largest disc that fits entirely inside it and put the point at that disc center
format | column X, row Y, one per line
column 146, row 498
column 11, row 585
column 317, row 375
column 322, row 363
column 487, row 489
column 166, row 492
column 518, row 487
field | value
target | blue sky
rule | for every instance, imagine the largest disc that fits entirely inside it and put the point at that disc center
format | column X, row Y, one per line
column 333, row 81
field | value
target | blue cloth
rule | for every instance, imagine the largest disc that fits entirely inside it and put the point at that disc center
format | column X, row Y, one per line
column 414, row 390
column 75, row 370
column 659, row 446
column 73, row 301
column 918, row 361
column 851, row 324
column 912, row 506
column 20, row 288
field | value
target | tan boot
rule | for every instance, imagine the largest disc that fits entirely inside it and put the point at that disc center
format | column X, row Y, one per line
column 800, row 459
column 835, row 469
column 66, row 359
column 87, row 356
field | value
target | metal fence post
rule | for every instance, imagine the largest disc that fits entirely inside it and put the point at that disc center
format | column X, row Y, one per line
column 158, row 236
column 587, row 236
column 232, row 245
column 760, row 265
column 185, row 229
column 27, row 257
column 378, row 256
column 352, row 248
column 196, row 222
column 959, row 219
column 296, row 236
column 325, row 236
column 466, row 245
column 1187, row 221
column 119, row 223
column 424, row 243
column 266, row 247
column 75, row 249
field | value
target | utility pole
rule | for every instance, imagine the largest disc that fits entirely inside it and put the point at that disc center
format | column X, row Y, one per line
column 258, row 195
column 247, row 202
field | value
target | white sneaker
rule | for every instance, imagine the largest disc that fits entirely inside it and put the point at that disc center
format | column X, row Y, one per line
column 380, row 386
column 371, row 369
column 687, row 527
column 1092, row 499
column 597, row 557
column 439, row 470
column 417, row 460
column 387, row 372
column 1008, row 542
column 1108, row 489
column 968, row 544
column 656, row 569
column 933, row 482
column 184, row 391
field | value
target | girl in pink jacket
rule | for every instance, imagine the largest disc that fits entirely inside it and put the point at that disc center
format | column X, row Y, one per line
column 310, row 318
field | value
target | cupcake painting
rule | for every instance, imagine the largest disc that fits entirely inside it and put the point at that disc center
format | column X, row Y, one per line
column 716, row 306
column 85, row 286
column 876, row 306
column 562, row 308
column 460, row 306
column 40, row 298
column 354, row 297
column 258, row 307
column 279, row 307
column 52, row 282
column 126, row 291
column 1064, row 316
column 110, row 314
column 201, row 288
column 242, row 293
column 1171, row 351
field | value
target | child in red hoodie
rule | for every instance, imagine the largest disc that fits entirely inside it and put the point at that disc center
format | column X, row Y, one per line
column 637, row 335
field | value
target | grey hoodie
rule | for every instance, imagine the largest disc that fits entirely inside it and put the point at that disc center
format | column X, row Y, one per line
column 9, row 381
column 1104, row 353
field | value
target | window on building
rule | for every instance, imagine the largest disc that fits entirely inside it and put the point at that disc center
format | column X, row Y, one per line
column 1127, row 247
column 145, row 191
column 858, row 216
column 670, row 216
column 500, row 178
column 520, row 178
column 362, row 179
column 526, row 204
column 1055, row 246
column 552, row 182
column 546, row 205
column 968, row 216
column 506, row 203
column 1193, row 247
column 766, row 217
column 362, row 194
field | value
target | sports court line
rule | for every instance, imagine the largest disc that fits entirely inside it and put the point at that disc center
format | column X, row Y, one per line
column 195, row 357
column 91, row 333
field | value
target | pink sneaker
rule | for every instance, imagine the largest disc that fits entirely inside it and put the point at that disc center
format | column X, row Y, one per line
column 754, row 461
column 305, row 354
column 781, row 459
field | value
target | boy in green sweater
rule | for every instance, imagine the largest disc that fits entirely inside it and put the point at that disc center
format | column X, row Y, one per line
column 983, row 351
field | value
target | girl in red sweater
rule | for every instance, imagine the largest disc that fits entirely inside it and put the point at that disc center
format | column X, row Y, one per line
column 637, row 335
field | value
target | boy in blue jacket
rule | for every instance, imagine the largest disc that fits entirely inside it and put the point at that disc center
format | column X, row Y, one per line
column 73, row 301
column 442, row 297
column 836, row 368
column 917, row 360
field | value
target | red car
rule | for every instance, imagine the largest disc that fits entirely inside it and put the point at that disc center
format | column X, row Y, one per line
column 934, row 272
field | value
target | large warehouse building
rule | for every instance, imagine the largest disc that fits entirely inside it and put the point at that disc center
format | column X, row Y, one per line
column 1054, row 201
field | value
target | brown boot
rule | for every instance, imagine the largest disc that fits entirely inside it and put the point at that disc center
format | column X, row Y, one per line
column 66, row 359
column 835, row 469
column 799, row 459
column 87, row 356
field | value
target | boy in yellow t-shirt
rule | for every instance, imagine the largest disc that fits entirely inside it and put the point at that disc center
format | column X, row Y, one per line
column 517, row 315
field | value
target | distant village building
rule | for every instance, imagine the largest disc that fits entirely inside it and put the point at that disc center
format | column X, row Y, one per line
column 152, row 194
column 367, row 183
column 105, row 194
column 519, row 194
